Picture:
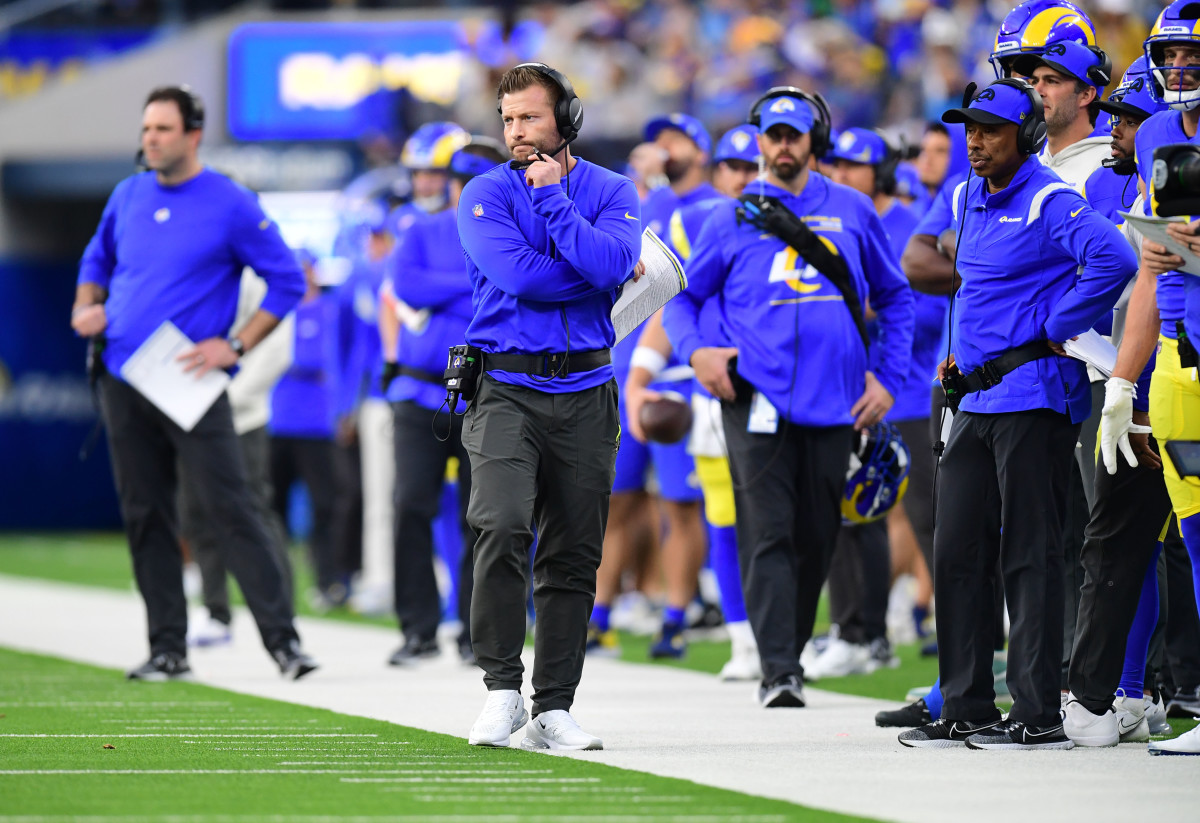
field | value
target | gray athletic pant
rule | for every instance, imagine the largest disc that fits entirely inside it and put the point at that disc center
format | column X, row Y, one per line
column 1001, row 494
column 786, row 488
column 204, row 536
column 146, row 447
column 546, row 461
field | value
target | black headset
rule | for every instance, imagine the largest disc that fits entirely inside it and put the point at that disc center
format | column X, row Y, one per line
column 1031, row 132
column 885, row 170
column 190, row 105
column 568, row 111
column 822, row 122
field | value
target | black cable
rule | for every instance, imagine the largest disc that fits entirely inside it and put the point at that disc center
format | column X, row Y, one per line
column 450, row 427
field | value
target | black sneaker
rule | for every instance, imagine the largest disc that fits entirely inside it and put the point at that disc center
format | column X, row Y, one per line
column 784, row 692
column 1013, row 734
column 162, row 666
column 1185, row 703
column 943, row 734
column 911, row 716
column 414, row 649
column 293, row 663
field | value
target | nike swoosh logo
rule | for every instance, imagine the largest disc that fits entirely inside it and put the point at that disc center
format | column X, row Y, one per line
column 1124, row 726
column 1028, row 734
column 629, row 216
column 1077, row 211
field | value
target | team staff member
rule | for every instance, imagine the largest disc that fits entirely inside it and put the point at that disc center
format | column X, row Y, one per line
column 1002, row 489
column 1112, row 188
column 171, row 246
column 799, row 347
column 428, row 276
column 547, row 247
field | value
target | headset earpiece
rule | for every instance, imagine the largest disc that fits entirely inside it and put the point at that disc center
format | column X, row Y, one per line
column 1100, row 75
column 1031, row 134
column 969, row 94
column 822, row 121
column 568, row 111
column 193, row 118
column 885, row 172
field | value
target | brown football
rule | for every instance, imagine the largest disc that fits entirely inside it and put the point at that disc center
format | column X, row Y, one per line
column 667, row 420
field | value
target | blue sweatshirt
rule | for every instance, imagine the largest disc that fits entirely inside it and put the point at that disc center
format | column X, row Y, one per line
column 797, row 341
column 1037, row 263
column 303, row 403
column 427, row 272
column 1162, row 129
column 360, row 352
column 177, row 253
column 545, row 266
column 912, row 402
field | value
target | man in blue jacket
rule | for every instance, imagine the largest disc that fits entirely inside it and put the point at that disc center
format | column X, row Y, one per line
column 547, row 248
column 171, row 246
column 1038, row 267
column 429, row 279
column 802, row 382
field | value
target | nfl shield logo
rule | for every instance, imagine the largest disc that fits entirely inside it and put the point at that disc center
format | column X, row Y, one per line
column 478, row 210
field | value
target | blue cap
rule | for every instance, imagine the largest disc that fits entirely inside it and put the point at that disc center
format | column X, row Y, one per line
column 1133, row 98
column 1065, row 57
column 791, row 111
column 738, row 144
column 996, row 105
column 685, row 123
column 464, row 165
column 859, row 146
column 908, row 181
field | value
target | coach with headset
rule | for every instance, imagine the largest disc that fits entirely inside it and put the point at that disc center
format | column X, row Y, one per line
column 171, row 246
column 1038, row 267
column 793, row 260
column 548, row 239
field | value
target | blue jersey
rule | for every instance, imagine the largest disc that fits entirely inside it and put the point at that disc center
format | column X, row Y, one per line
column 1110, row 193
column 176, row 253
column 1162, row 129
column 428, row 273
column 796, row 339
column 303, row 401
column 545, row 266
column 1037, row 263
column 912, row 402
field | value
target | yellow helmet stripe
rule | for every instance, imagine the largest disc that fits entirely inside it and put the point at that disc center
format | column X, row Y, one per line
column 1037, row 32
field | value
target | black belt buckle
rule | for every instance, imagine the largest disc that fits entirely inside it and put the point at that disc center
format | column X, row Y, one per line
column 989, row 375
column 551, row 363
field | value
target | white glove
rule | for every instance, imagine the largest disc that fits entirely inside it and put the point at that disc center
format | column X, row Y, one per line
column 1116, row 423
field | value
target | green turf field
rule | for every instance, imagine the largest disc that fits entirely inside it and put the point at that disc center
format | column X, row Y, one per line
column 79, row 741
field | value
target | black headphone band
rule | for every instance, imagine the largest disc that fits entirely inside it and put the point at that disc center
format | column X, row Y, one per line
column 885, row 170
column 191, row 107
column 823, row 121
column 568, row 110
column 1031, row 134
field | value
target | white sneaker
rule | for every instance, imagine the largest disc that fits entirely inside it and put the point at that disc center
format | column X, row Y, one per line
column 743, row 662
column 839, row 660
column 1087, row 729
column 1131, row 718
column 558, row 730
column 211, row 632
column 1156, row 716
column 1186, row 743
column 502, row 715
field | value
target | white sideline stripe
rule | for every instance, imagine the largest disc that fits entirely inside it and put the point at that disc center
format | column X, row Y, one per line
column 215, row 736
column 461, row 779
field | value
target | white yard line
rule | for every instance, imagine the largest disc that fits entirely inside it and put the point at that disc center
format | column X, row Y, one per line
column 653, row 719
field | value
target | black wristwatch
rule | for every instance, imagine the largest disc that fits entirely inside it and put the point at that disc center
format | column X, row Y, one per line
column 239, row 348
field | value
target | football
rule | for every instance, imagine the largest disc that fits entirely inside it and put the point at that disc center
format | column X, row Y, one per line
column 667, row 420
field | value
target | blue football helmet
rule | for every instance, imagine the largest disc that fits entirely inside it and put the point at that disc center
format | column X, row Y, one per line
column 1035, row 24
column 878, row 474
column 431, row 146
column 1178, row 23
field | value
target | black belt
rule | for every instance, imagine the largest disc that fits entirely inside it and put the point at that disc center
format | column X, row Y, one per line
column 419, row 374
column 992, row 372
column 558, row 364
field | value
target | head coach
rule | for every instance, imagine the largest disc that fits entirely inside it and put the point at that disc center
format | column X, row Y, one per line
column 1038, row 267
column 171, row 246
column 548, row 240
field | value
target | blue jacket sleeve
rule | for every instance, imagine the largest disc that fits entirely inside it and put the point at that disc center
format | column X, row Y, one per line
column 892, row 299
column 1106, row 260
column 604, row 254
column 257, row 243
column 707, row 269
column 505, row 256
column 100, row 257
column 423, row 285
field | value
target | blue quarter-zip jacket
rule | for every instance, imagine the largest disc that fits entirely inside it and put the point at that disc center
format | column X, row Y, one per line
column 796, row 339
column 545, row 266
column 428, row 272
column 1110, row 193
column 177, row 253
column 1037, row 263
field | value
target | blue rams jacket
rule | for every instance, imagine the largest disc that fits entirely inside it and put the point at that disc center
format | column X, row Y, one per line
column 796, row 339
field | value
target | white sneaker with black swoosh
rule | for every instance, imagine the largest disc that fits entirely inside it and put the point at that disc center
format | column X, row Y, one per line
column 1131, row 718
column 558, row 730
column 1013, row 734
